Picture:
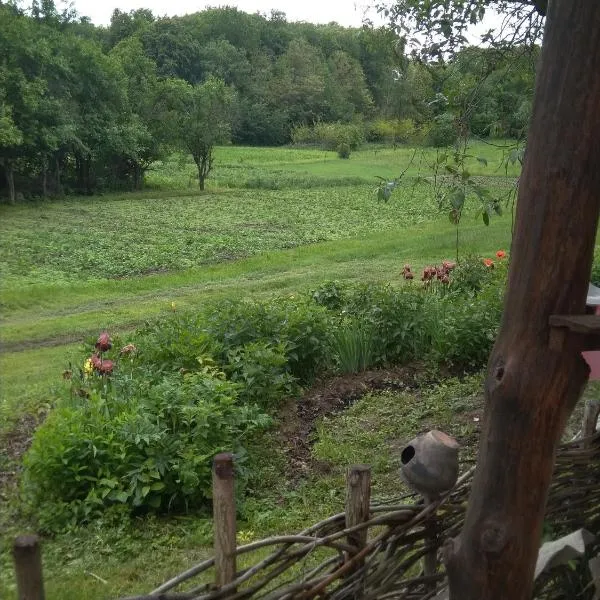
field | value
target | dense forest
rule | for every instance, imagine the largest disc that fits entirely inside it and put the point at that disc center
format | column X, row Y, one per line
column 86, row 108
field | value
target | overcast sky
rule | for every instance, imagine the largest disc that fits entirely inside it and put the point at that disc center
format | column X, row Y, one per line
column 345, row 12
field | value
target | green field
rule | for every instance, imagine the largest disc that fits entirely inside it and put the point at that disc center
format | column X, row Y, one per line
column 72, row 267
column 273, row 222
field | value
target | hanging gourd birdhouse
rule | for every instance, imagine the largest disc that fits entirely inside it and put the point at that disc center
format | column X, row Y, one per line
column 429, row 463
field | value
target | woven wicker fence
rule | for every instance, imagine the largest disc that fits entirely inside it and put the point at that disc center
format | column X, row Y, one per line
column 324, row 560
column 393, row 552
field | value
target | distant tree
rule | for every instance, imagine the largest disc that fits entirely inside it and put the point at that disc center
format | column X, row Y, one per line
column 299, row 82
column 346, row 90
column 199, row 119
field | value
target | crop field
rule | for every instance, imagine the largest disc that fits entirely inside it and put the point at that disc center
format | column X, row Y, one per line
column 272, row 223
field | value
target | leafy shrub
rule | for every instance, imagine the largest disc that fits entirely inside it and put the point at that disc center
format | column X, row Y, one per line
column 127, row 439
column 330, row 136
column 391, row 131
column 463, row 327
column 330, row 294
column 394, row 316
column 298, row 323
column 175, row 343
column 343, row 150
column 470, row 275
column 443, row 131
column 262, row 369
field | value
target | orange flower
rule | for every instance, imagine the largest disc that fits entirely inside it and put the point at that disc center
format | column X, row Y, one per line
column 488, row 262
column 501, row 254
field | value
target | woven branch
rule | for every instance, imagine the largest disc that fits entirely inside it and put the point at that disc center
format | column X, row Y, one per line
column 400, row 534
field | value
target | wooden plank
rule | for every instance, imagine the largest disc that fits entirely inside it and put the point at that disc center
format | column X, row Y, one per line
column 588, row 324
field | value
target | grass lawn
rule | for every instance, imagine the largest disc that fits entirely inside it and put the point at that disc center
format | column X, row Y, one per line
column 273, row 221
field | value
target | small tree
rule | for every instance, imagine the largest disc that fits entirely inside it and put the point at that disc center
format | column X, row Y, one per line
column 200, row 119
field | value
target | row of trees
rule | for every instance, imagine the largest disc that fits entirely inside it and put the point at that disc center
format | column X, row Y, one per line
column 85, row 108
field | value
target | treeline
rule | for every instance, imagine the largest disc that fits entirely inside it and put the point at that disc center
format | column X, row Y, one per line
column 86, row 108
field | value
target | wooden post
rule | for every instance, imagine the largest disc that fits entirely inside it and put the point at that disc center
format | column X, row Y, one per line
column 532, row 386
column 591, row 412
column 358, row 501
column 28, row 567
column 224, row 518
column 430, row 563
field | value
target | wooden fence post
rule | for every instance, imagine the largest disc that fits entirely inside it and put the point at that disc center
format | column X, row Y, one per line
column 358, row 500
column 224, row 518
column 591, row 412
column 28, row 567
column 430, row 561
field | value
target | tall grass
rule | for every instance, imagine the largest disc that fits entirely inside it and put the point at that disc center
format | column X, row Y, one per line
column 353, row 345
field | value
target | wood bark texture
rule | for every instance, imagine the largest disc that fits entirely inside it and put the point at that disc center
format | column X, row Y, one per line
column 531, row 388
column 28, row 568
column 224, row 515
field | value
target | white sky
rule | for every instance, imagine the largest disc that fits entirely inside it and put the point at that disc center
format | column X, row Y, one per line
column 349, row 13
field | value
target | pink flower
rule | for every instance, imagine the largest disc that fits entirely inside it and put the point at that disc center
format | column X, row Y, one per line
column 488, row 262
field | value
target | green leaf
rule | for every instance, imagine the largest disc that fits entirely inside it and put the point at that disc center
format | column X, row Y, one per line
column 482, row 160
column 120, row 496
column 486, row 217
column 457, row 199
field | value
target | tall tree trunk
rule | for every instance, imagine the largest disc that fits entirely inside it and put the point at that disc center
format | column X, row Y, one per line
column 44, row 176
column 57, row 175
column 531, row 388
column 10, row 180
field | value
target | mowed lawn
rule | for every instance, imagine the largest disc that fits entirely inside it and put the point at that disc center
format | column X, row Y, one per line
column 72, row 267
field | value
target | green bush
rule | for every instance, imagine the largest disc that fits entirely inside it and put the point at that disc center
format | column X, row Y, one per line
column 463, row 327
column 298, row 323
column 470, row 275
column 330, row 136
column 391, row 131
column 262, row 369
column 343, row 150
column 443, row 131
column 123, row 440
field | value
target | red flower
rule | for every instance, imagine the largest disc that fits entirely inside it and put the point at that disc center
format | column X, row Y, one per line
column 96, row 362
column 449, row 265
column 106, row 367
column 428, row 273
column 501, row 254
column 103, row 344
column 488, row 262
